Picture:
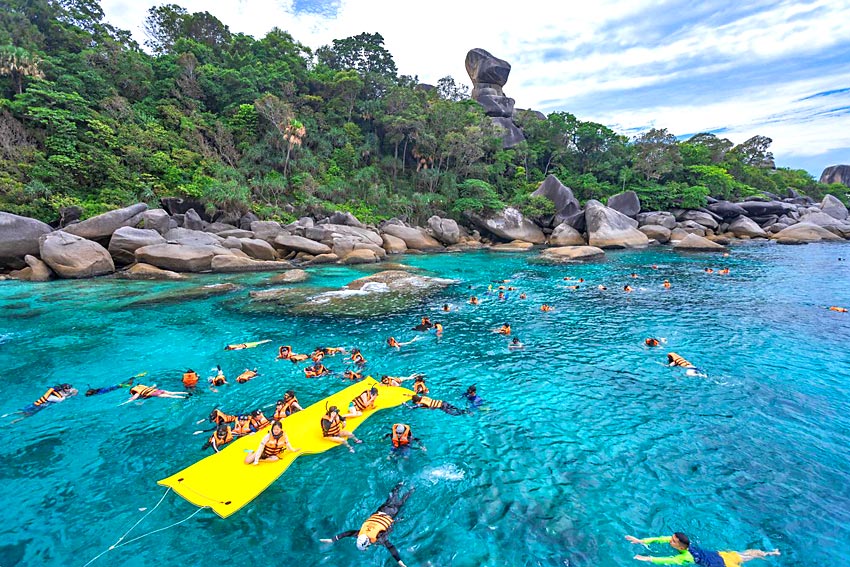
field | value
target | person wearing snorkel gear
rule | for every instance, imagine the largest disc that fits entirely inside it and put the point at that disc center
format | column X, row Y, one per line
column 54, row 395
column 287, row 406
column 472, row 396
column 402, row 437
column 515, row 344
column 271, row 446
column 429, row 403
column 333, row 428
column 689, row 553
column 365, row 401
column 376, row 529
column 221, row 437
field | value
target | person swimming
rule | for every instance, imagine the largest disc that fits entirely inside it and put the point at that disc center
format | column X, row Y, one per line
column 219, row 379
column 424, row 324
column 246, row 376
column 515, row 344
column 316, row 370
column 838, row 309
column 546, row 307
column 666, row 284
column 190, row 378
column 627, row 288
column 674, row 359
column 689, row 553
column 473, row 300
column 144, row 392
column 472, row 396
column 651, row 342
column 428, row 403
column 505, row 329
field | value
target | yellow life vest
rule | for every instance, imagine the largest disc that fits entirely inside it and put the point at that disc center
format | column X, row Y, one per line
column 377, row 523
column 43, row 399
column 142, row 390
column 679, row 361
column 429, row 403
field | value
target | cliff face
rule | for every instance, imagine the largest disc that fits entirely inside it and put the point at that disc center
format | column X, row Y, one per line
column 835, row 174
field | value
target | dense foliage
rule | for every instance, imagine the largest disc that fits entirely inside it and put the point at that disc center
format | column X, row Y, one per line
column 89, row 119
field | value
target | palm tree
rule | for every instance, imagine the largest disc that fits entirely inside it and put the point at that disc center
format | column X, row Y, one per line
column 18, row 63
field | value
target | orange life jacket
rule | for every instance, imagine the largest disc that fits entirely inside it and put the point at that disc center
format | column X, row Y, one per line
column 260, row 422
column 651, row 342
column 245, row 376
column 217, row 441
column 429, row 403
column 678, row 360
column 390, row 381
column 404, row 438
column 284, row 352
column 358, row 358
column 362, row 401
column 273, row 446
column 242, row 427
column 439, row 328
column 142, row 391
column 317, row 356
column 286, row 409
column 312, row 372
column 334, row 425
column 392, row 342
column 221, row 417
column 375, row 525
column 43, row 399
column 838, row 309
column 420, row 388
column 219, row 380
column 190, row 379
column 505, row 331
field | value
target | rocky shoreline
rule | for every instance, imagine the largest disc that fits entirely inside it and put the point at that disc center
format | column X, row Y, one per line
column 141, row 243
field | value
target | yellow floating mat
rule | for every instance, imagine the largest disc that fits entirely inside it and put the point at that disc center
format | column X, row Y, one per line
column 225, row 483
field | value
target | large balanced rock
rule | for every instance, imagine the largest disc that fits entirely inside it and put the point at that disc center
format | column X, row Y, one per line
column 606, row 228
column 126, row 240
column 571, row 253
column 102, row 226
column 193, row 221
column 19, row 236
column 510, row 225
column 565, row 235
column 72, row 256
column 627, row 203
column 696, row 243
column 833, row 207
column 726, row 210
column 567, row 207
column 743, row 226
column 232, row 264
column 345, row 218
column 803, row 233
column 180, row 257
column 445, row 230
column 414, row 238
column 489, row 74
column 836, row 174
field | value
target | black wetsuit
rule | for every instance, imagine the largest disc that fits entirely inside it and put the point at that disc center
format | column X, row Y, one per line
column 391, row 508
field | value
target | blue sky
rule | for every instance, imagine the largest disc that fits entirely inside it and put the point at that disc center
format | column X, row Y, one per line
column 779, row 69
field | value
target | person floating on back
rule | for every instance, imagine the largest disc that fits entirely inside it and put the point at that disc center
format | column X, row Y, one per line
column 428, row 403
column 246, row 376
column 376, row 529
column 689, row 553
column 285, row 353
column 140, row 391
column 838, row 309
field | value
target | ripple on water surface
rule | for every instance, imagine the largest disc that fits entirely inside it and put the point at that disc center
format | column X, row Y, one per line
column 585, row 435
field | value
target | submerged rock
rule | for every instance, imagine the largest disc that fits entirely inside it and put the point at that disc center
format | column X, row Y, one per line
column 140, row 271
column 386, row 292
column 180, row 295
column 290, row 276
column 233, row 264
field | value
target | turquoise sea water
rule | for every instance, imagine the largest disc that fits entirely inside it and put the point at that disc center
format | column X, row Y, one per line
column 586, row 434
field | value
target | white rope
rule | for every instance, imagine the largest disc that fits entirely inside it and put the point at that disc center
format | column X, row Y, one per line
column 118, row 543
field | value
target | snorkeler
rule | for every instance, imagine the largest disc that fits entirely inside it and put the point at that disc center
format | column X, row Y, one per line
column 473, row 300
column 546, row 307
column 219, row 379
column 190, row 378
column 402, row 437
column 377, row 528
column 365, row 401
column 285, row 353
column 397, row 380
column 419, row 386
column 144, row 392
column 666, row 284
column 287, row 406
column 472, row 396
column 689, row 553
column 218, row 417
column 428, row 403
column 505, row 329
column 107, row 389
column 515, row 344
column 246, row 376
column 271, row 446
column 333, row 428
column 674, row 359
column 316, row 370
column 357, row 357
column 221, row 437
column 54, row 395
column 652, row 342
column 352, row 375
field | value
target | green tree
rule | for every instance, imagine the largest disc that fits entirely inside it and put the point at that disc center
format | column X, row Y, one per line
column 18, row 63
column 656, row 154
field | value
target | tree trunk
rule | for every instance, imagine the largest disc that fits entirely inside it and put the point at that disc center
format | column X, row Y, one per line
column 404, row 154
